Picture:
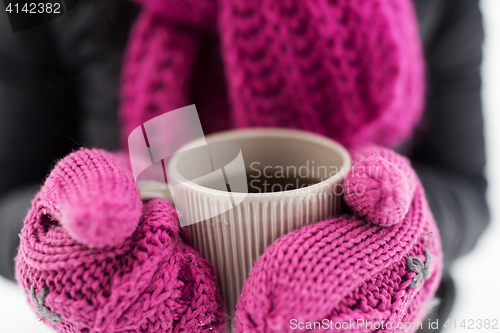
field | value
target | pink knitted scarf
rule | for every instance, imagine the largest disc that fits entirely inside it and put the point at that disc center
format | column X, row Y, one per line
column 349, row 69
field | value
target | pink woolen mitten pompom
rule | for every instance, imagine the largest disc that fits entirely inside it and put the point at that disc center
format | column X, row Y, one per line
column 382, row 263
column 380, row 185
column 94, row 258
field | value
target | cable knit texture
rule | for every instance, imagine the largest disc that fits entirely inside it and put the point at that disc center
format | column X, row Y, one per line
column 99, row 260
column 352, row 267
column 349, row 69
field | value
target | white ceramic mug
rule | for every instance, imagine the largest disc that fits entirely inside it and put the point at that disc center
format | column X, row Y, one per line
column 234, row 239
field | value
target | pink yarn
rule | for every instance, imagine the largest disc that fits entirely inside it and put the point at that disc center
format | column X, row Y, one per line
column 110, row 263
column 201, row 14
column 380, row 187
column 93, row 179
column 348, row 269
column 352, row 70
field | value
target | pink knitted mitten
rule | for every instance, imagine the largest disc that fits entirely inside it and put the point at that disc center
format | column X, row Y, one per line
column 373, row 270
column 93, row 258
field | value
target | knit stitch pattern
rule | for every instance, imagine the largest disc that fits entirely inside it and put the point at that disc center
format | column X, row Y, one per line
column 94, row 256
column 352, row 70
column 380, row 186
column 346, row 268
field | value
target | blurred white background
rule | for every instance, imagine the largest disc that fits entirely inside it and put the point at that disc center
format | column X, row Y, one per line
column 477, row 275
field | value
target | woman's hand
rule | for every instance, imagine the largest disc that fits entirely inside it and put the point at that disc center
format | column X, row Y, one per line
column 94, row 258
column 381, row 263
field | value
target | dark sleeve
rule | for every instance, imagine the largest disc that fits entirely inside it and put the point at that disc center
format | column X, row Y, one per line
column 90, row 41
column 449, row 151
column 58, row 91
column 36, row 126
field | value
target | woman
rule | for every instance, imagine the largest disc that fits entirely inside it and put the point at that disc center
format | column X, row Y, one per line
column 60, row 91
